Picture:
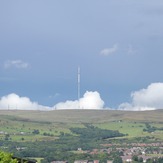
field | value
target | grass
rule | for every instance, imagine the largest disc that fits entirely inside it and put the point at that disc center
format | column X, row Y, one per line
column 55, row 122
column 81, row 116
column 132, row 129
column 23, row 130
column 38, row 159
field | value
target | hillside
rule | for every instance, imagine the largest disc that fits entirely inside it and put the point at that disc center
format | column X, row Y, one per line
column 46, row 134
column 83, row 116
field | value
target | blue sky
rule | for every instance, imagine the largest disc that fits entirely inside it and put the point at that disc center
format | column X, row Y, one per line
column 117, row 43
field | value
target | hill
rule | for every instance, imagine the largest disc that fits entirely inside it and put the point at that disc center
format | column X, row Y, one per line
column 83, row 116
column 37, row 134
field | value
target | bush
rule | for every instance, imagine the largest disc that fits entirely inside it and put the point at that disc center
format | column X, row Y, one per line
column 6, row 158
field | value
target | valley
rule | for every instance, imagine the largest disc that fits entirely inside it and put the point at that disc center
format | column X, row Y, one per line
column 79, row 133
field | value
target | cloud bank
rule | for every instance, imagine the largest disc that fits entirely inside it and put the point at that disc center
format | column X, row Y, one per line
column 90, row 100
column 150, row 98
column 15, row 102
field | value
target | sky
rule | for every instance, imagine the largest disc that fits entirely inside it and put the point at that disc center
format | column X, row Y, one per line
column 118, row 45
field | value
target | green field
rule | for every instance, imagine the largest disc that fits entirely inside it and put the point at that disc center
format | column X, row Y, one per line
column 48, row 134
column 20, row 125
column 131, row 128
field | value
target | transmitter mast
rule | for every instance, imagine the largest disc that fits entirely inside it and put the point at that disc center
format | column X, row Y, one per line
column 78, row 83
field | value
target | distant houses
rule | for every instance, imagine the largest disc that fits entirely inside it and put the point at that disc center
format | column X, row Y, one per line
column 127, row 158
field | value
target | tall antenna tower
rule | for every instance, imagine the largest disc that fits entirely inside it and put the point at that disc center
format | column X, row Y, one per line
column 78, row 83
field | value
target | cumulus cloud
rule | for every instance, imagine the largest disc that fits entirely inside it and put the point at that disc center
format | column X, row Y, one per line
column 109, row 51
column 67, row 105
column 90, row 100
column 150, row 98
column 16, row 64
column 15, row 102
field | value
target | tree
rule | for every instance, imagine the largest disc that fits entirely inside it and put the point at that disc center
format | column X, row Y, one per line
column 117, row 159
column 135, row 158
column 36, row 131
column 6, row 158
column 7, row 137
column 22, row 139
column 140, row 159
column 103, row 157
column 149, row 160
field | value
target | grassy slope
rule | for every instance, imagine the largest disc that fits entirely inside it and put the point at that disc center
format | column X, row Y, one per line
column 57, row 121
column 81, row 116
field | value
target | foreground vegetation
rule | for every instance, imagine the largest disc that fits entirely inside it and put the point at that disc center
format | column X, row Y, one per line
column 6, row 158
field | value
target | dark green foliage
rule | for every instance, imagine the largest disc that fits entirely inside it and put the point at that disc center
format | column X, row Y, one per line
column 150, row 128
column 7, row 137
column 36, row 131
column 117, row 159
column 155, row 160
column 140, row 159
column 135, row 158
column 91, row 132
column 47, row 134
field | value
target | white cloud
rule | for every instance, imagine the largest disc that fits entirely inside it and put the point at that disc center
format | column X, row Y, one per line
column 90, row 100
column 67, row 105
column 150, row 98
column 15, row 102
column 16, row 63
column 131, row 107
column 109, row 51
